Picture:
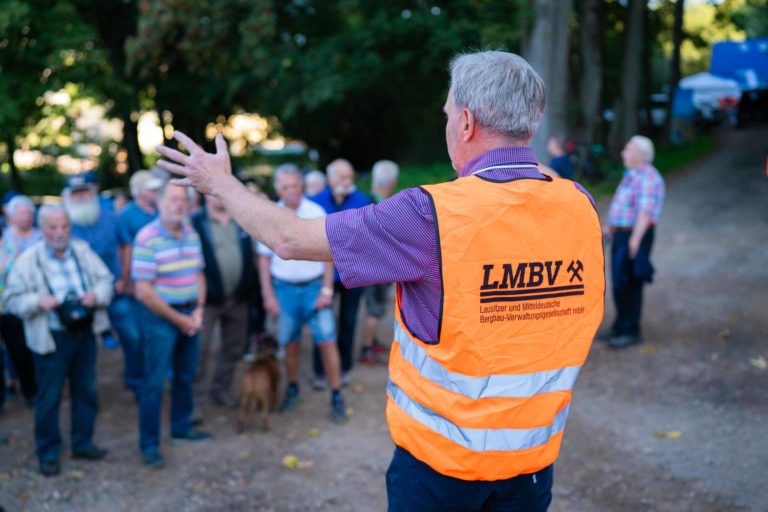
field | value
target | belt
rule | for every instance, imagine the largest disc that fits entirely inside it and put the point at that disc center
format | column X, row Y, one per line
column 618, row 229
column 185, row 305
column 298, row 283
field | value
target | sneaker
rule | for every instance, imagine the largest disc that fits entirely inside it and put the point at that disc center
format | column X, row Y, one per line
column 339, row 410
column 291, row 401
column 192, row 436
column 319, row 383
column 109, row 342
column 90, row 453
column 153, row 459
column 50, row 468
column 367, row 357
column 624, row 340
column 378, row 347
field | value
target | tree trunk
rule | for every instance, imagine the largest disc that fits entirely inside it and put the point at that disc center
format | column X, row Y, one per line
column 625, row 123
column 592, row 66
column 674, row 72
column 548, row 50
column 131, row 143
column 647, row 76
column 17, row 183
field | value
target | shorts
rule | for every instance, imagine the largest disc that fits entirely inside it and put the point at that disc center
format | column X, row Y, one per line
column 297, row 307
column 376, row 300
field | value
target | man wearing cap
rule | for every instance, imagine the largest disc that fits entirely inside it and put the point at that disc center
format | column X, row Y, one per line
column 92, row 178
column 138, row 213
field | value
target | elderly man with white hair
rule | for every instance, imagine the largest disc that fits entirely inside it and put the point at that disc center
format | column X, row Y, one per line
column 61, row 288
column 500, row 291
column 341, row 195
column 635, row 211
column 314, row 183
column 19, row 235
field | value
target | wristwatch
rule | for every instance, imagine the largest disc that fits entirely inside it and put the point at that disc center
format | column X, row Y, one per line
column 327, row 291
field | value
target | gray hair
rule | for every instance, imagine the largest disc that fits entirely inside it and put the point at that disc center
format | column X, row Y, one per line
column 285, row 170
column 384, row 173
column 330, row 169
column 48, row 209
column 17, row 202
column 162, row 190
column 315, row 175
column 503, row 92
column 645, row 146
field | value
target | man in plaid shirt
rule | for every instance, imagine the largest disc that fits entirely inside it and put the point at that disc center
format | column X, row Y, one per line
column 635, row 211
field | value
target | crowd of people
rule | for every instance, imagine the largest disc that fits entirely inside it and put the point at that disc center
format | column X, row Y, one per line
column 185, row 293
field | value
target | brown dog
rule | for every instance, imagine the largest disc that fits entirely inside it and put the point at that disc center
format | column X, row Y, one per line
column 259, row 386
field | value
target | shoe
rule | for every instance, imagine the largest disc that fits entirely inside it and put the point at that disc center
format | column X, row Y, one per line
column 339, row 410
column 90, row 453
column 196, row 421
column 379, row 348
column 346, row 379
column 50, row 468
column 109, row 342
column 367, row 357
column 624, row 340
column 290, row 402
column 605, row 335
column 153, row 459
column 319, row 383
column 193, row 436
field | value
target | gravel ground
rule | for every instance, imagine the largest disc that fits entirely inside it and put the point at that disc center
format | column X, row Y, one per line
column 677, row 423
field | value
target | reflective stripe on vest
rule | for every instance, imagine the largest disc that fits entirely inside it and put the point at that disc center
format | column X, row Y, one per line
column 475, row 439
column 509, row 386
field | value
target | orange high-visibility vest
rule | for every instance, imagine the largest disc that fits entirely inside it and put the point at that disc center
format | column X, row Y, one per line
column 523, row 283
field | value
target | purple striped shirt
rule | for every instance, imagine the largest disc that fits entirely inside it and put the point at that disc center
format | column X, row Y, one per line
column 396, row 241
column 640, row 190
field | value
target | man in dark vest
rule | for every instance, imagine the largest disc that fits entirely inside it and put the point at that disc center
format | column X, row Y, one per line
column 231, row 278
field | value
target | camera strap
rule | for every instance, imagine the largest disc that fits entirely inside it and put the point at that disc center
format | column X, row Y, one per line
column 83, row 281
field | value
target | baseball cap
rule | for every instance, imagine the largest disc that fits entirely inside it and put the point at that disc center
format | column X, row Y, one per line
column 144, row 180
column 91, row 177
column 77, row 182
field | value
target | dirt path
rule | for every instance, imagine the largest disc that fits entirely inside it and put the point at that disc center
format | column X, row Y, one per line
column 706, row 317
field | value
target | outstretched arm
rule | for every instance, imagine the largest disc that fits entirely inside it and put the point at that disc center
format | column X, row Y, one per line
column 280, row 229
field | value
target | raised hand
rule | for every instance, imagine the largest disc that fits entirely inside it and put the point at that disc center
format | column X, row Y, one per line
column 201, row 170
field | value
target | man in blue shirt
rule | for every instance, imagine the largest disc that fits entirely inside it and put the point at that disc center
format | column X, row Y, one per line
column 341, row 194
column 561, row 160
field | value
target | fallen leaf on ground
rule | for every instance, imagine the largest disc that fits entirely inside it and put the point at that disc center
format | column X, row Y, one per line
column 75, row 475
column 290, row 461
column 649, row 349
column 759, row 362
column 358, row 388
column 313, row 432
column 350, row 412
column 671, row 434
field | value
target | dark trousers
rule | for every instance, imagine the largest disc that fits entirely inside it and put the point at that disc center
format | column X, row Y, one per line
column 122, row 316
column 414, row 486
column 75, row 360
column 232, row 316
column 12, row 331
column 627, row 288
column 349, row 302
column 164, row 348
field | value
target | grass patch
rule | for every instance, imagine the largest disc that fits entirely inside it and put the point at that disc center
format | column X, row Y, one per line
column 668, row 159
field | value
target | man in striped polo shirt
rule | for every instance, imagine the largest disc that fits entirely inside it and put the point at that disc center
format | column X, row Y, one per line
column 167, row 268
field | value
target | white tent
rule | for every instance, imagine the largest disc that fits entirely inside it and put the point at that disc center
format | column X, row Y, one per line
column 709, row 89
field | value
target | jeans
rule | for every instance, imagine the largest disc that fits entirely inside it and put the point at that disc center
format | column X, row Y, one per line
column 122, row 315
column 349, row 302
column 628, row 296
column 165, row 348
column 297, row 307
column 74, row 359
column 414, row 486
column 12, row 331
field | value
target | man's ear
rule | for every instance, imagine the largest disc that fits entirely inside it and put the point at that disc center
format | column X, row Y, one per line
column 467, row 125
